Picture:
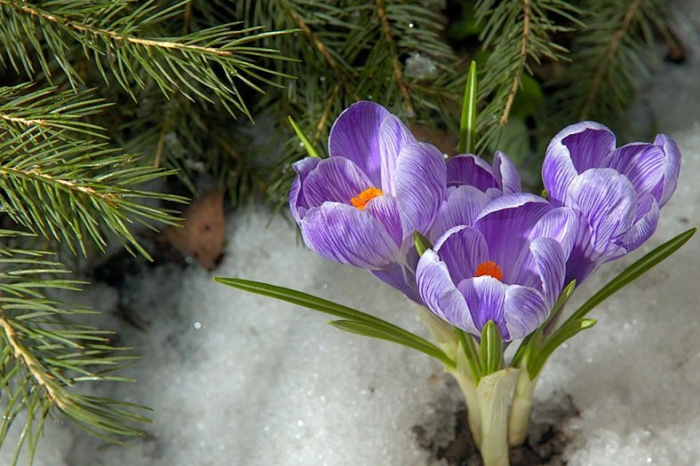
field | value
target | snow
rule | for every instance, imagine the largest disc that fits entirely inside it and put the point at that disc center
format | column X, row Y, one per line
column 238, row 379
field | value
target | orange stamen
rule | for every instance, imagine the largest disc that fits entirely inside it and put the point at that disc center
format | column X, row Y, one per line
column 489, row 268
column 360, row 201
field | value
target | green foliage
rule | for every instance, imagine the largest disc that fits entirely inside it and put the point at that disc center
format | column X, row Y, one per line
column 516, row 35
column 607, row 61
column 65, row 183
column 45, row 357
column 353, row 321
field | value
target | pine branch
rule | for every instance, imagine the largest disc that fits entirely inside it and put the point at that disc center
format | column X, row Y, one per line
column 517, row 34
column 395, row 63
column 69, row 188
column 208, row 65
column 43, row 356
column 614, row 42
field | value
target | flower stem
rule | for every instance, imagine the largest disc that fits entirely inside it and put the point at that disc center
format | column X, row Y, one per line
column 520, row 408
column 466, row 384
column 494, row 395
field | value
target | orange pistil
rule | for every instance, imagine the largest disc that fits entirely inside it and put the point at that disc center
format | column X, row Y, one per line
column 489, row 268
column 360, row 201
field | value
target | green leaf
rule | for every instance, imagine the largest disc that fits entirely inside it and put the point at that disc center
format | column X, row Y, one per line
column 310, row 149
column 421, row 242
column 368, row 330
column 467, row 127
column 633, row 272
column 539, row 357
column 388, row 331
column 491, row 348
column 471, row 353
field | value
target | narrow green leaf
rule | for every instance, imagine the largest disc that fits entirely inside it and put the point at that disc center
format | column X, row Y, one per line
column 491, row 348
column 571, row 328
column 367, row 330
column 329, row 307
column 471, row 354
column 633, row 272
column 421, row 242
column 310, row 149
column 467, row 125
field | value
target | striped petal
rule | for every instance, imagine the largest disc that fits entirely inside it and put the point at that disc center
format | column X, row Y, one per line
column 348, row 235
column 439, row 293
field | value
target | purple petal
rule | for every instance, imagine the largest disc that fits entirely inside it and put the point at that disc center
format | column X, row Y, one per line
column 673, row 166
column 572, row 151
column 355, row 136
column 461, row 207
column 345, row 234
column 334, row 180
column 420, row 186
column 401, row 278
column 643, row 164
column 560, row 224
column 550, row 264
column 393, row 136
column 644, row 227
column 524, row 311
column 506, row 173
column 486, row 298
column 386, row 210
column 608, row 202
column 440, row 294
column 297, row 201
column 462, row 249
column 470, row 170
column 507, row 223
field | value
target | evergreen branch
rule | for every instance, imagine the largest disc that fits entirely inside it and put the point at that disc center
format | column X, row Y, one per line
column 190, row 64
column 395, row 63
column 48, row 109
column 522, row 57
column 43, row 354
column 315, row 41
column 69, row 190
column 35, row 368
column 516, row 34
column 604, row 65
column 615, row 39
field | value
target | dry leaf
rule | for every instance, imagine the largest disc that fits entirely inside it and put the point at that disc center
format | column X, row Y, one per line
column 201, row 235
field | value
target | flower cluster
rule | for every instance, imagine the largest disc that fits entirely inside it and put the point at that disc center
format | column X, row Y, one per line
column 498, row 254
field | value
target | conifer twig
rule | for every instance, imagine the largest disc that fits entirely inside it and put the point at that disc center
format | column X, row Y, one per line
column 395, row 63
column 602, row 67
column 34, row 367
column 522, row 60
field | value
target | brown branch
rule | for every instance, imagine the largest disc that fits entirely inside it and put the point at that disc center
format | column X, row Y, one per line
column 524, row 38
column 315, row 41
column 84, row 28
column 23, row 121
column 398, row 74
column 321, row 125
column 614, row 45
column 34, row 367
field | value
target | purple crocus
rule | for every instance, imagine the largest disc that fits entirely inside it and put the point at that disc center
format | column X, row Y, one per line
column 617, row 192
column 471, row 184
column 361, row 205
column 508, row 267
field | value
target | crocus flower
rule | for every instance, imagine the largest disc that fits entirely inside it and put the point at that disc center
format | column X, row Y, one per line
column 508, row 267
column 471, row 184
column 361, row 205
column 616, row 191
